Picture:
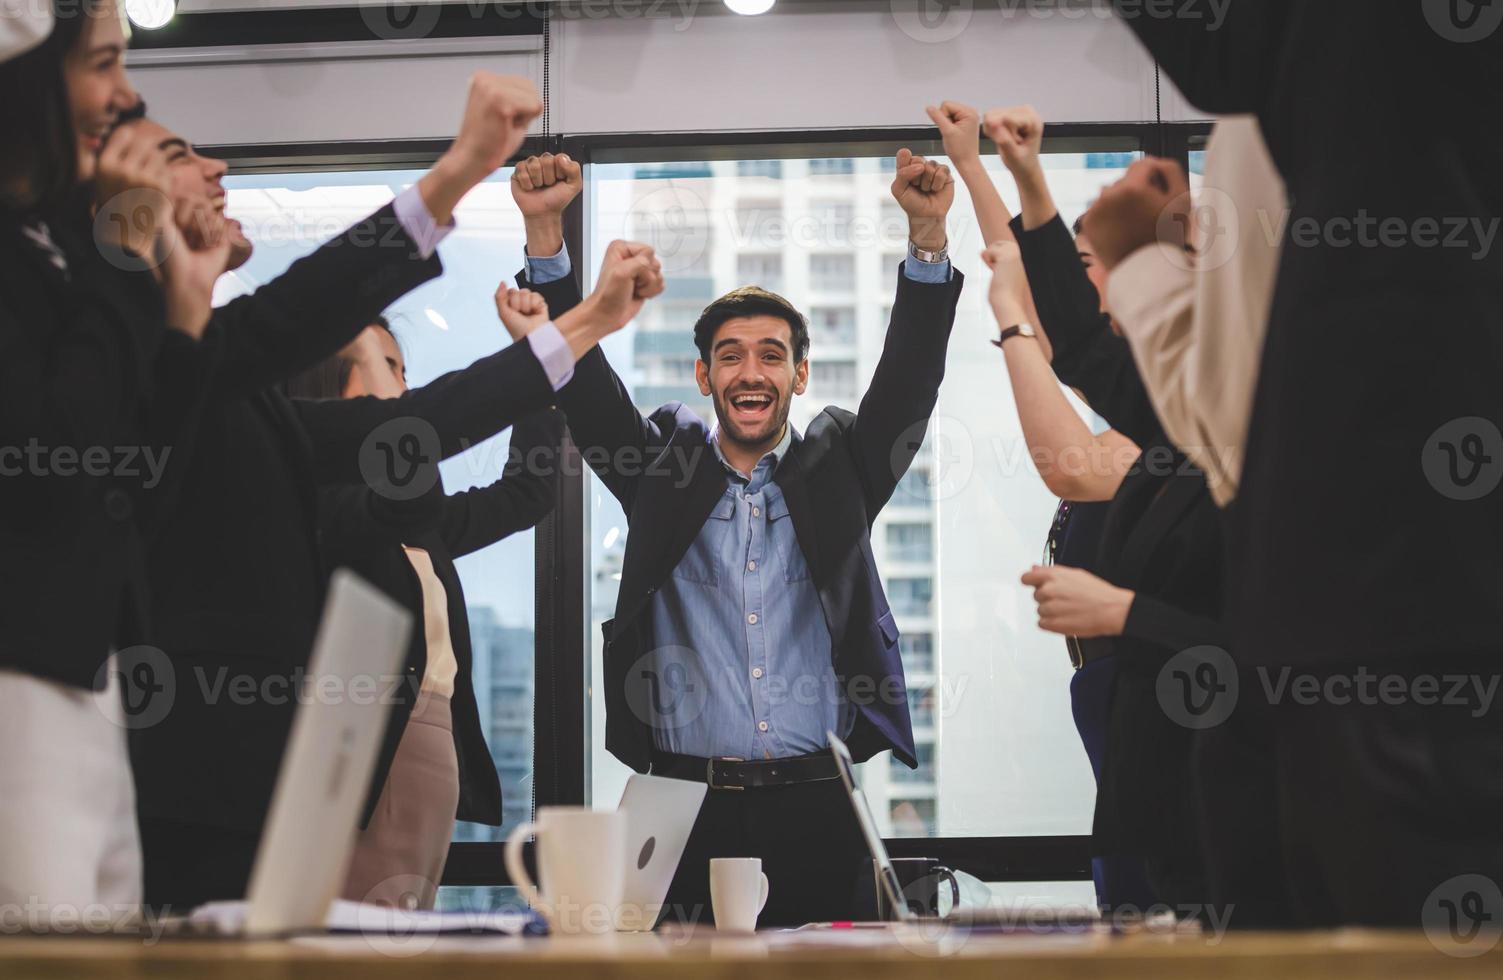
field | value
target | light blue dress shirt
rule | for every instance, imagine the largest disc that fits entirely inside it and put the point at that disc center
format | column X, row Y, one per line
column 742, row 665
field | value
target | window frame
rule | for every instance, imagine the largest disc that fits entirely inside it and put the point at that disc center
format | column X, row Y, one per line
column 561, row 715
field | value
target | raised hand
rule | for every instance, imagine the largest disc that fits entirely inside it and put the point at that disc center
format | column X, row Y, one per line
column 188, row 275
column 1019, row 135
column 1150, row 204
column 543, row 186
column 498, row 110
column 131, row 187
column 1009, row 282
column 521, row 310
column 629, row 276
column 960, row 127
column 925, row 190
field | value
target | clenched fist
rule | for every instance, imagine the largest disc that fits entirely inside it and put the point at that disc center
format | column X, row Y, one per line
column 960, row 127
column 1019, row 135
column 544, row 185
column 630, row 275
column 1009, row 282
column 496, row 116
column 497, row 112
column 1073, row 602
column 1150, row 204
column 925, row 190
column 521, row 310
column 131, row 187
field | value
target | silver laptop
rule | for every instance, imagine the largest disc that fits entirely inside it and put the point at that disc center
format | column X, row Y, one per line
column 326, row 770
column 660, row 816
column 991, row 918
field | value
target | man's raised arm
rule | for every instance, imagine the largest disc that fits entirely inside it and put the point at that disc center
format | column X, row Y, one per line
column 895, row 411
column 324, row 300
column 599, row 408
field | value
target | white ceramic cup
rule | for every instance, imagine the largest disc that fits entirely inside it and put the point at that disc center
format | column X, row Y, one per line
column 581, row 867
column 738, row 893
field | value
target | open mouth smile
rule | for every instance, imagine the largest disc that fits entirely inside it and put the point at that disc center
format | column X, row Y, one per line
column 752, row 406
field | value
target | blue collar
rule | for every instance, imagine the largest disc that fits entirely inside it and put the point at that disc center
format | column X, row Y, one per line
column 769, row 461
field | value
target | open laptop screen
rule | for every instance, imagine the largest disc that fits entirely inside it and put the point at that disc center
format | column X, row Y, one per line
column 887, row 877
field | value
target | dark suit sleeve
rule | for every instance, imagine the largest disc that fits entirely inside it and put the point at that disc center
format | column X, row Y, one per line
column 61, row 382
column 602, row 417
column 448, row 416
column 1088, row 356
column 1171, row 627
column 476, row 519
column 355, row 521
column 1222, row 66
column 317, row 306
column 894, row 413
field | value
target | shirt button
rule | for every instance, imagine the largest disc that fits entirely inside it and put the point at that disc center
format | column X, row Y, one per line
column 761, row 726
column 756, row 512
column 757, row 672
column 751, row 566
column 752, row 619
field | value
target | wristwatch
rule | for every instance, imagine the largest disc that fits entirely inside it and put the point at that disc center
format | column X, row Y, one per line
column 1021, row 330
column 924, row 255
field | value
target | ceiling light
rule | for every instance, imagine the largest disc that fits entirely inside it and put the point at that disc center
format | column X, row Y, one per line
column 750, row 6
column 150, row 15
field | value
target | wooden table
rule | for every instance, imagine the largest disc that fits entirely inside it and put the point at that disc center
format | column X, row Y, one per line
column 702, row 955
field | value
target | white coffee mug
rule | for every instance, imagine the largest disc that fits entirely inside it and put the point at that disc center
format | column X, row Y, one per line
column 738, row 893
column 581, row 867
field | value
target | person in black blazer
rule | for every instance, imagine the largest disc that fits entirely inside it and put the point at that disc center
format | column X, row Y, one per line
column 1156, row 588
column 444, row 766
column 1363, row 539
column 84, row 439
column 834, row 479
column 236, row 573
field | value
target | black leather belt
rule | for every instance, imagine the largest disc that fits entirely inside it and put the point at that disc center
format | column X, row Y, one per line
column 737, row 774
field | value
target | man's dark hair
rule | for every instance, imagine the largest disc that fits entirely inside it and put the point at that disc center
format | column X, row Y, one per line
column 329, row 377
column 39, row 155
column 1079, row 224
column 750, row 301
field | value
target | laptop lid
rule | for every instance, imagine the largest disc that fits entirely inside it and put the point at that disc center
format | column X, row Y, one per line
column 887, row 878
column 343, row 707
column 660, row 816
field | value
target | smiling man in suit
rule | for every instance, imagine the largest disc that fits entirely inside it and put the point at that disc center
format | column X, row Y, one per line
column 751, row 620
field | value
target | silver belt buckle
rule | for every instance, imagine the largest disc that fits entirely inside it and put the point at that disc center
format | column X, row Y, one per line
column 710, row 774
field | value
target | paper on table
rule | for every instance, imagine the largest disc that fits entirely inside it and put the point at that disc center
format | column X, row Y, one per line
column 228, row 918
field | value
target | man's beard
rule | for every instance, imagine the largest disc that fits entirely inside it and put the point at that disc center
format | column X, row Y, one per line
column 765, row 431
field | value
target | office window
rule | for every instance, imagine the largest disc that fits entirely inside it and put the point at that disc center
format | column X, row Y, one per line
column 833, row 379
column 910, row 542
column 765, row 270
column 1001, row 757
column 760, row 223
column 832, row 168
column 832, row 221
column 833, row 273
column 911, row 596
column 443, row 325
column 770, row 169
column 917, row 650
column 832, row 326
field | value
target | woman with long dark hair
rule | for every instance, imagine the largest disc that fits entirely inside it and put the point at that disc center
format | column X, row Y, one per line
column 435, row 766
column 79, row 340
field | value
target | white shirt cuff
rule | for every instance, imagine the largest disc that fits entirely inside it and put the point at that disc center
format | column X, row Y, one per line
column 418, row 223
column 554, row 353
